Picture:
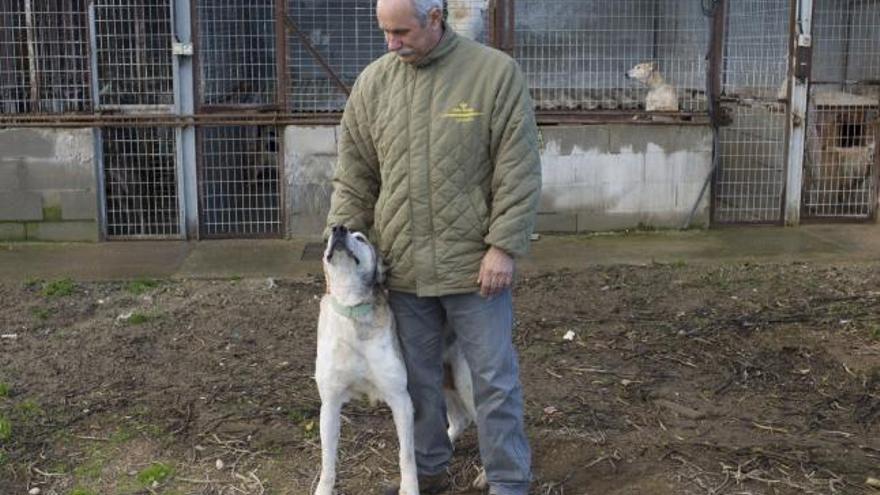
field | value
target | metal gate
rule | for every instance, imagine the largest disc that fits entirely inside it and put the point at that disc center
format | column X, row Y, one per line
column 840, row 160
column 133, row 71
column 750, row 179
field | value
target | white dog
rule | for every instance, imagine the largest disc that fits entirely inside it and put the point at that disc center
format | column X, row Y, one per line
column 661, row 95
column 359, row 354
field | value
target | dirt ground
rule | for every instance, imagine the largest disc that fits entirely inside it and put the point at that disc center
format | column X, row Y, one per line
column 680, row 379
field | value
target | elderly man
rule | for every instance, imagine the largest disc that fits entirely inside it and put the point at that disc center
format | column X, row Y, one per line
column 438, row 160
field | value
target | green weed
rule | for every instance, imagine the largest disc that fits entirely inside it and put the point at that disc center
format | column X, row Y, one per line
column 5, row 429
column 141, row 285
column 59, row 288
column 157, row 473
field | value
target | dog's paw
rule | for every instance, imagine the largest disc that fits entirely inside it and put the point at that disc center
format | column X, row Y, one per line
column 324, row 490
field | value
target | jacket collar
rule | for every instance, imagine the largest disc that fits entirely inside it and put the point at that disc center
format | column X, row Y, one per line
column 447, row 43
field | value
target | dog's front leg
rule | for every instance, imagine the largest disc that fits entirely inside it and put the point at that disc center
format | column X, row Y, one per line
column 402, row 409
column 331, row 408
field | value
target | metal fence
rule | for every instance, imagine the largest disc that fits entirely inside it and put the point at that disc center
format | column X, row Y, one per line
column 239, row 181
column 840, row 164
column 609, row 60
column 750, row 180
column 44, row 56
column 133, row 39
column 237, row 52
column 140, row 182
column 329, row 44
column 577, row 54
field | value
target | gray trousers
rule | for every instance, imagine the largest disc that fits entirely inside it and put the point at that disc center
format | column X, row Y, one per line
column 483, row 326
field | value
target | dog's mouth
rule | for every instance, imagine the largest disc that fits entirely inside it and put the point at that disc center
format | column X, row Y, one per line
column 339, row 242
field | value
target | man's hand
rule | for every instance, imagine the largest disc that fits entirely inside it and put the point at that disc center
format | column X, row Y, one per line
column 496, row 272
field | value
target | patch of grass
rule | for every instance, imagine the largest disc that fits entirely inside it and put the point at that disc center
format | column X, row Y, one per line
column 141, row 285
column 138, row 319
column 4, row 390
column 90, row 470
column 156, row 473
column 305, row 419
column 41, row 314
column 81, row 491
column 5, row 429
column 30, row 409
column 59, row 288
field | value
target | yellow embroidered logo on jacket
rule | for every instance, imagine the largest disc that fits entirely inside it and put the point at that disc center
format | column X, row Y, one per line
column 462, row 113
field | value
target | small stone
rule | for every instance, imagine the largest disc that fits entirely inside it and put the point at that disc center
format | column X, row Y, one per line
column 219, row 464
column 34, row 491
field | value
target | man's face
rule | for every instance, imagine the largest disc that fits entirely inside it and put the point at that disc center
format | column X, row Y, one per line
column 404, row 34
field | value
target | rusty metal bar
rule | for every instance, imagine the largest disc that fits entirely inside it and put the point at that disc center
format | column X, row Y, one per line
column 307, row 43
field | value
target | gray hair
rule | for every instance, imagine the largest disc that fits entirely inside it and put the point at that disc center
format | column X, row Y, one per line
column 423, row 7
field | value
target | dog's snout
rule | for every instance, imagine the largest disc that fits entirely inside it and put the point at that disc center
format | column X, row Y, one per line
column 340, row 229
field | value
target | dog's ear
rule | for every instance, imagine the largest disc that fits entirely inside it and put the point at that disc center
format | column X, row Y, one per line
column 655, row 66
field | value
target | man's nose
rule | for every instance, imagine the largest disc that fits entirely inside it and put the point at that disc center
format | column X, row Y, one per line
column 394, row 44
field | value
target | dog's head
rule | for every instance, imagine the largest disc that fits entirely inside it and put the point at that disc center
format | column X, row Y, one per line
column 642, row 72
column 351, row 263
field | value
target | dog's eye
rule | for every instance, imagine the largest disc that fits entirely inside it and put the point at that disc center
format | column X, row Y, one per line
column 360, row 238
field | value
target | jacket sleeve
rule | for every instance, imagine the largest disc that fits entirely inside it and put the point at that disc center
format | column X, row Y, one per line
column 516, row 179
column 356, row 179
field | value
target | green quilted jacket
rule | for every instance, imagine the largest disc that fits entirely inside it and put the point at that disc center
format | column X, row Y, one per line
column 438, row 161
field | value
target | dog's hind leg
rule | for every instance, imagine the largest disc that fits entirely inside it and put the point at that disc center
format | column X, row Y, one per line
column 330, row 409
column 402, row 409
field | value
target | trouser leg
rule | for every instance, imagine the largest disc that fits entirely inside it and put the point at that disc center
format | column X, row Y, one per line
column 484, row 326
column 420, row 323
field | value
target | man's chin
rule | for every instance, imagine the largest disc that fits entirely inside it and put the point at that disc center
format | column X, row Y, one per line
column 408, row 57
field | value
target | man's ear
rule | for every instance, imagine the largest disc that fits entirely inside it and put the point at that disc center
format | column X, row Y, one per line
column 435, row 17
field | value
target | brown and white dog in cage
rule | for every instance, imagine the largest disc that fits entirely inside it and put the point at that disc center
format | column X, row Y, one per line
column 359, row 354
column 661, row 96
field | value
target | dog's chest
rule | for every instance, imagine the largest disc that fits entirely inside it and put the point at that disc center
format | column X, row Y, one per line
column 358, row 357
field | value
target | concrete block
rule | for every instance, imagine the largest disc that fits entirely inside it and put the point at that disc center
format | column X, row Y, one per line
column 556, row 222
column 568, row 140
column 10, row 175
column 32, row 143
column 49, row 174
column 21, row 206
column 12, row 231
column 62, row 231
column 310, row 140
column 79, row 205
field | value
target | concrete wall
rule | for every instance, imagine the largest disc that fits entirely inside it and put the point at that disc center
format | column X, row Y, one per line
column 595, row 177
column 47, row 185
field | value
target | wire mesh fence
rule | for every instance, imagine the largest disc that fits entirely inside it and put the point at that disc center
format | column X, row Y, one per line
column 840, row 163
column 44, row 56
column 134, row 52
column 345, row 34
column 239, row 181
column 237, row 52
column 577, row 54
column 749, row 183
column 140, row 182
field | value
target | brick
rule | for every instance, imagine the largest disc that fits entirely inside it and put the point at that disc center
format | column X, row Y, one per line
column 310, row 140
column 79, row 205
column 21, row 206
column 62, row 231
column 27, row 143
column 556, row 222
column 12, row 231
